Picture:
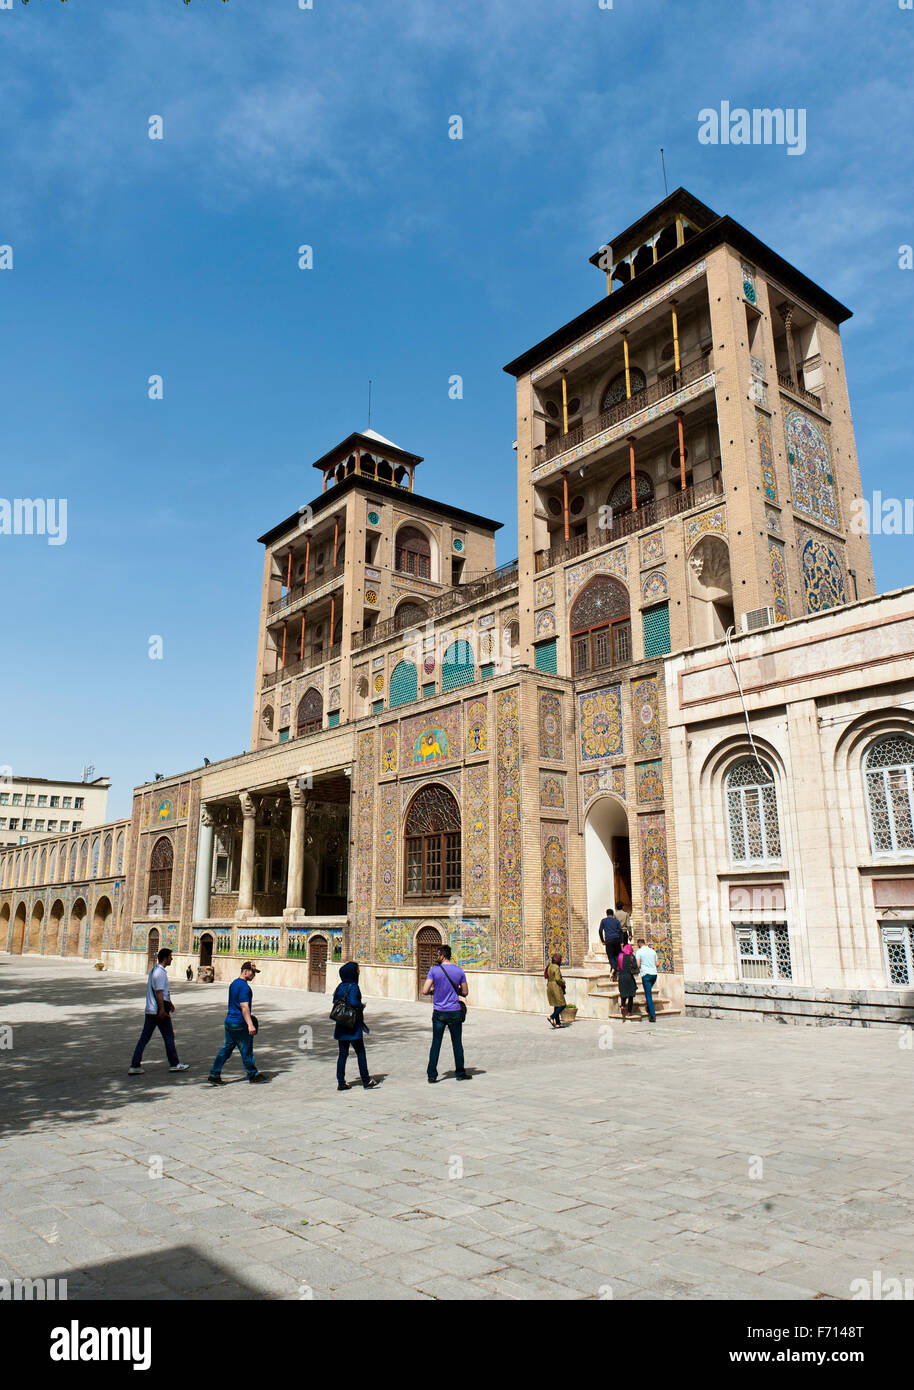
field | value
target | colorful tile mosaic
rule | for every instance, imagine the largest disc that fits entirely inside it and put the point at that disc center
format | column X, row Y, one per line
column 313, row 678
column 432, row 739
column 654, row 585
column 471, row 943
column 712, row 523
column 773, row 521
column 476, row 887
column 509, row 830
column 600, row 724
column 602, row 782
column 390, row 748
column 477, row 720
column 766, row 455
column 610, row 562
column 364, row 844
column 652, row 547
column 551, row 725
column 388, row 840
column 544, row 591
column 620, row 320
column 655, row 881
column 545, row 623
column 824, row 584
column 394, row 940
column 778, row 580
column 809, row 459
column 553, row 844
column 552, row 790
column 649, row 782
column 646, row 716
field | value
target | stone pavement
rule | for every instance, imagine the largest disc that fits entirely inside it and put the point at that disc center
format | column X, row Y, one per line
column 697, row 1159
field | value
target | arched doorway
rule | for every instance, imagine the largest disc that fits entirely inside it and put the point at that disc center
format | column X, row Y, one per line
column 99, row 923
column 75, row 929
column 608, row 862
column 4, row 925
column 317, row 964
column 206, row 949
column 152, row 948
column 52, row 935
column 428, row 939
column 18, row 930
column 34, row 941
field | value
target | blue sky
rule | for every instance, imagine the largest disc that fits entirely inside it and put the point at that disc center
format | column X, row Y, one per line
column 431, row 257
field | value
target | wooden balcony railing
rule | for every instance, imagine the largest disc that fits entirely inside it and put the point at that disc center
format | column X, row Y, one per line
column 460, row 596
column 300, row 590
column 789, row 384
column 664, row 386
column 627, row 523
column 295, row 668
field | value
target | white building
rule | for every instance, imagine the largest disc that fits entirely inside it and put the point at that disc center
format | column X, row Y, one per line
column 33, row 807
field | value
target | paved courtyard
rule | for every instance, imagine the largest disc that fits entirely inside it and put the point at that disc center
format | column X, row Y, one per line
column 694, row 1160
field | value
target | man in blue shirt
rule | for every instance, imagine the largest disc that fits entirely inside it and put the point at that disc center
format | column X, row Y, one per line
column 613, row 938
column 239, row 1028
column 647, row 964
column 448, row 983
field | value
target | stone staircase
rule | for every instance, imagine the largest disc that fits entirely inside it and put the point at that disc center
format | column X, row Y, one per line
column 603, row 993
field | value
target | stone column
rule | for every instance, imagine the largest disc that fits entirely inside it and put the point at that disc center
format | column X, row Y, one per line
column 204, row 873
column 296, row 875
column 246, row 883
column 786, row 312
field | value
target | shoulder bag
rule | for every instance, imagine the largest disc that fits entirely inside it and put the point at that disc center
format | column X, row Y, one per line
column 346, row 1014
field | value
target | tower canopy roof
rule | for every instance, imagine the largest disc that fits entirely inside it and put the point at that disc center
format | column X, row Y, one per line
column 372, row 443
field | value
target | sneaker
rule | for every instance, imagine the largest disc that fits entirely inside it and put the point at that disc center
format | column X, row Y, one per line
column 259, row 1077
column 370, row 1084
column 346, row 1086
column 182, row 1066
column 215, row 1080
column 134, row 1071
column 464, row 1076
column 433, row 1081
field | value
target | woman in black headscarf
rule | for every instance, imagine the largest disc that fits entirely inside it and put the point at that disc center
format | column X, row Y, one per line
column 555, row 990
column 351, row 1034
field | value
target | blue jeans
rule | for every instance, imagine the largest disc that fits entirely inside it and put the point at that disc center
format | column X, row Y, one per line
column 358, row 1047
column 168, row 1037
column 236, row 1035
column 649, row 981
column 454, row 1023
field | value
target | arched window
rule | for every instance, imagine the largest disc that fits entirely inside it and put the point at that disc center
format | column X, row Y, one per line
column 616, row 392
column 457, row 667
column 414, row 553
column 34, row 866
column 620, row 498
column 310, row 716
column 96, row 852
column 160, row 867
column 889, row 776
column 409, row 614
column 432, row 840
column 106, row 856
column 52, row 865
column 601, row 628
column 83, row 858
column 119, row 857
column 752, row 813
column 404, row 684
column 41, row 878
column 74, row 849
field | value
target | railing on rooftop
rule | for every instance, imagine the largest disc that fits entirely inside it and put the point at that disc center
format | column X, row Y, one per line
column 627, row 523
column 461, row 596
column 664, row 386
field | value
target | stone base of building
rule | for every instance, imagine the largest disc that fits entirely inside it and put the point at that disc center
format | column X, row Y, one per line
column 757, row 1001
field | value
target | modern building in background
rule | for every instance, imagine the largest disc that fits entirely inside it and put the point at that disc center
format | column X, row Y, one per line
column 443, row 750
column 34, row 807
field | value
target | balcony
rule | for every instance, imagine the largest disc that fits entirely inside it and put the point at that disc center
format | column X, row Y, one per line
column 659, row 390
column 790, row 385
column 302, row 590
column 461, row 596
column 628, row 523
column 297, row 667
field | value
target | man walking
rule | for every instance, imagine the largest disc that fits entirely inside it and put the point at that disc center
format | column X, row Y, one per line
column 612, row 938
column 159, row 1009
column 448, row 983
column 624, row 919
column 647, row 964
column 239, row 1028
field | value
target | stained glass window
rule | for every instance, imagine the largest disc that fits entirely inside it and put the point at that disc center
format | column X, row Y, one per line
column 616, row 391
column 763, row 952
column 889, row 774
column 620, row 498
column 414, row 553
column 160, row 868
column 310, row 717
column 752, row 813
column 432, row 843
column 601, row 631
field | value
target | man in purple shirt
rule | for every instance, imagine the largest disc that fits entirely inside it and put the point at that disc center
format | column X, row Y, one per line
column 448, row 983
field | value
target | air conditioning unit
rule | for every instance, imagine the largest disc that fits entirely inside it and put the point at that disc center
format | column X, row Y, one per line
column 758, row 618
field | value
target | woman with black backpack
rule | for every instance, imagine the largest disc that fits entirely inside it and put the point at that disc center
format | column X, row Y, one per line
column 348, row 1014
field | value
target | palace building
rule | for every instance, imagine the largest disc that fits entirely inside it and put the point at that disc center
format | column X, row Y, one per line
column 684, row 695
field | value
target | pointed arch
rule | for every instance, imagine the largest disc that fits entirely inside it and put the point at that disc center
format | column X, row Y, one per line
column 600, row 625
column 432, row 843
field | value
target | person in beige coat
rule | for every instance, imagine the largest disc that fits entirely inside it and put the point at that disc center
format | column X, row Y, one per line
column 555, row 990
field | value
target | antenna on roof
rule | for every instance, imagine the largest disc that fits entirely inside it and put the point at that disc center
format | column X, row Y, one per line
column 666, row 191
column 369, row 402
